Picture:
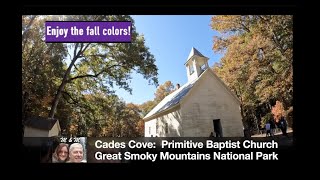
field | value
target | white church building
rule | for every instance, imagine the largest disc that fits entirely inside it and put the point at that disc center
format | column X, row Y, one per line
column 202, row 106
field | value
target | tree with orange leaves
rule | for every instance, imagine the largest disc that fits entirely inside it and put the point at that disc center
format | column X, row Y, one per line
column 277, row 111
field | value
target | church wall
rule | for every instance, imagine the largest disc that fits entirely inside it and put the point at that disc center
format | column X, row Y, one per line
column 150, row 128
column 167, row 125
column 209, row 100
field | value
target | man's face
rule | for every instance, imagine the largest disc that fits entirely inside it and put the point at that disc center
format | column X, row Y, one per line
column 76, row 154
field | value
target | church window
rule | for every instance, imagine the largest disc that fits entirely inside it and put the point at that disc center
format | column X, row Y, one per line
column 157, row 126
column 203, row 67
column 191, row 69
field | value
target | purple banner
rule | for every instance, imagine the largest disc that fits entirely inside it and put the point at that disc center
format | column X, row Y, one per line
column 75, row 31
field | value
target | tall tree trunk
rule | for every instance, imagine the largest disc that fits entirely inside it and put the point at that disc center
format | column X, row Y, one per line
column 64, row 80
column 57, row 96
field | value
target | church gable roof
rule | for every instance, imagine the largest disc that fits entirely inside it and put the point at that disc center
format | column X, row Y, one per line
column 194, row 52
column 175, row 98
column 172, row 99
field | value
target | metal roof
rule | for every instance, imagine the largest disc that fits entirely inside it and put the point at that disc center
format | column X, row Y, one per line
column 194, row 52
column 172, row 99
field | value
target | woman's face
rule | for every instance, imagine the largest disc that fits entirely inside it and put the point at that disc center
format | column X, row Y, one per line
column 63, row 153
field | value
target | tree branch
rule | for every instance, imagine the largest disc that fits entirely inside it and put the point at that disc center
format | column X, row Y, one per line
column 98, row 55
column 84, row 76
column 245, row 28
column 76, row 67
column 75, row 50
column 84, row 49
column 74, row 101
column 274, row 37
column 28, row 26
column 92, row 75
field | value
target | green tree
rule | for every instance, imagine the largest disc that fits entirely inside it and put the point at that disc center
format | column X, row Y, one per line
column 107, row 63
column 74, row 70
column 99, row 115
column 41, row 67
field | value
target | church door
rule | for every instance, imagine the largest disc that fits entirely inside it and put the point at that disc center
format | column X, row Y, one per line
column 217, row 128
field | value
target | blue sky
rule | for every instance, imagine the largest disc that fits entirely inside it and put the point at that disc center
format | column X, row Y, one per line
column 170, row 39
